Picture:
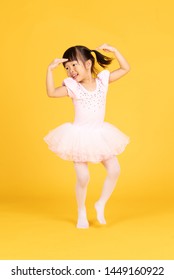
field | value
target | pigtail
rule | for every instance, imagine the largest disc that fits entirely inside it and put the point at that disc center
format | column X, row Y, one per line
column 102, row 60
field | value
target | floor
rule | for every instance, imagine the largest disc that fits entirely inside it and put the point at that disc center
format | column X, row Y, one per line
column 45, row 228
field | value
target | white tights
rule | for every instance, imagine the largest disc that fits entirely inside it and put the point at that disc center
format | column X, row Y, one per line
column 113, row 170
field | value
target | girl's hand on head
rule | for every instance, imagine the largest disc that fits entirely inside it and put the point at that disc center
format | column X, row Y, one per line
column 56, row 62
column 106, row 48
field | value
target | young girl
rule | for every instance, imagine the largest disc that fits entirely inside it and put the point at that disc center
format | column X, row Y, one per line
column 88, row 138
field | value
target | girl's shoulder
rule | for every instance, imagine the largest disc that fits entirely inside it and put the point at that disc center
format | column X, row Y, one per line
column 72, row 86
column 103, row 76
column 70, row 83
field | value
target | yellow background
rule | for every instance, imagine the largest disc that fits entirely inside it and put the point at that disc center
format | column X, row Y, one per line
column 37, row 203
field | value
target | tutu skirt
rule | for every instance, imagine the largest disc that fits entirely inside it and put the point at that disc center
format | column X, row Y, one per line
column 80, row 144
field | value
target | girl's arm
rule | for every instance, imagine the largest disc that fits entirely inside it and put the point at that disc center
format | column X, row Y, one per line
column 51, row 90
column 124, row 65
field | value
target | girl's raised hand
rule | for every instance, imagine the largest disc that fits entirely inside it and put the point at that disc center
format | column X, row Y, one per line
column 56, row 62
column 106, row 48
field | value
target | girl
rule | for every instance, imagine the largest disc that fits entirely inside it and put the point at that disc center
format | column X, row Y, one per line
column 88, row 138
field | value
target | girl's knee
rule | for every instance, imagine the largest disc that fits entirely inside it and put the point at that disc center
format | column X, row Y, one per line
column 84, row 179
column 117, row 170
column 113, row 168
column 114, row 171
column 82, row 173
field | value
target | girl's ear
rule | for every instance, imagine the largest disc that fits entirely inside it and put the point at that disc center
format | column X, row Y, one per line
column 88, row 64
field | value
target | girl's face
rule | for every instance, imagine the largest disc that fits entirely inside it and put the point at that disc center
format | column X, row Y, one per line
column 77, row 70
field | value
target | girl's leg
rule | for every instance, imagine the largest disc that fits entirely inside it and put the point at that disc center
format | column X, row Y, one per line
column 113, row 170
column 82, row 175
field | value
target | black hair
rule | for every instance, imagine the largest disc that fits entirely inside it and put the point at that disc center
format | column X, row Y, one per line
column 84, row 54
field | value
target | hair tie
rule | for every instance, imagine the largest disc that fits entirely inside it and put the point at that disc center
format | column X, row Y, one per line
column 92, row 52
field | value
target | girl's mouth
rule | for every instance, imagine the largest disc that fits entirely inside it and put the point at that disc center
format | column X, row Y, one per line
column 74, row 76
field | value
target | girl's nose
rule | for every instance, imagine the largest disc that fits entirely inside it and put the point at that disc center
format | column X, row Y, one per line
column 71, row 70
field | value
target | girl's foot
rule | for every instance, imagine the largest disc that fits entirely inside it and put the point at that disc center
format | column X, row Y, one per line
column 100, row 207
column 82, row 219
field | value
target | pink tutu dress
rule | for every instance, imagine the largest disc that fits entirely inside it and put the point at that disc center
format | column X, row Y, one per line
column 89, row 138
